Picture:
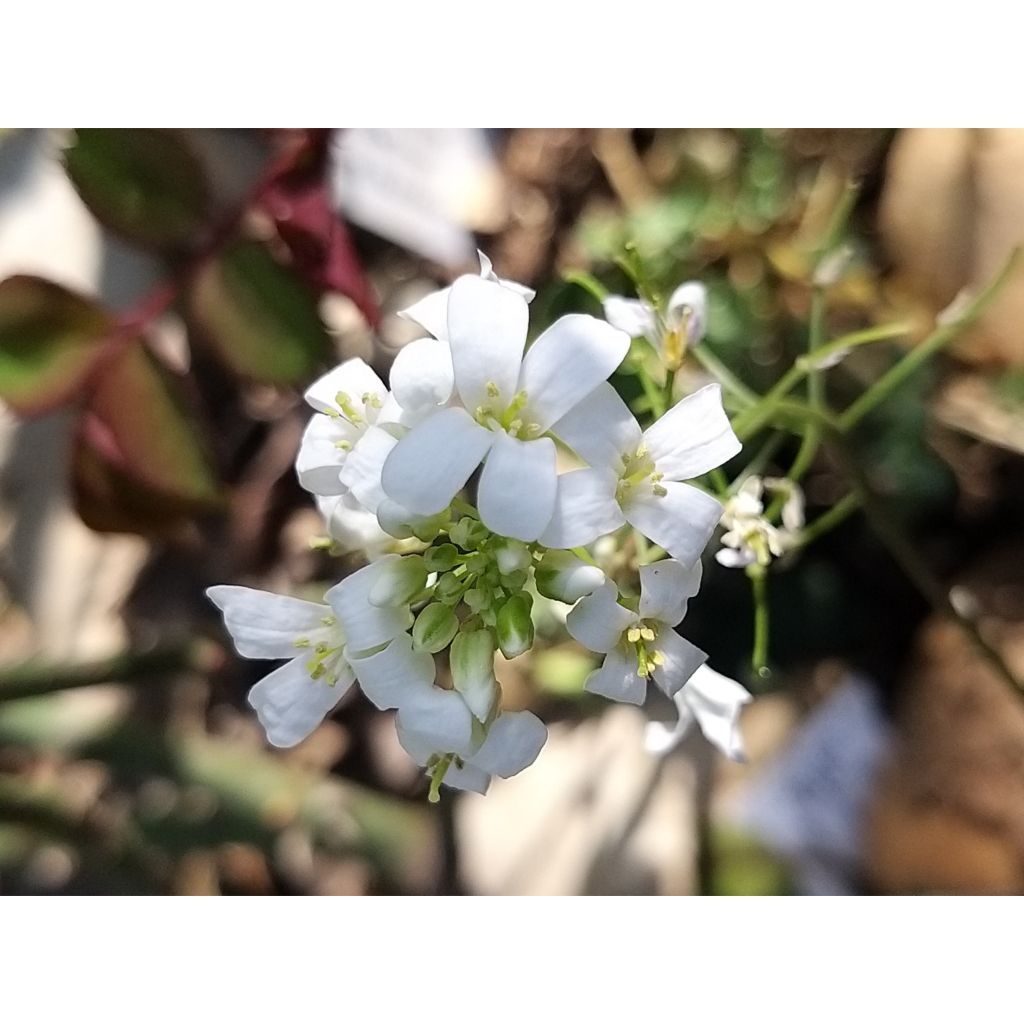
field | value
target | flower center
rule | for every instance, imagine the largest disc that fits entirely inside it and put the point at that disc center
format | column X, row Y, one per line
column 512, row 418
column 325, row 646
column 638, row 472
column 359, row 414
column 638, row 638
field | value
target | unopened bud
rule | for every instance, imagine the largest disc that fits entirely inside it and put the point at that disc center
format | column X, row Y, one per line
column 398, row 581
column 512, row 555
column 472, row 663
column 441, row 558
column 515, row 626
column 435, row 628
column 564, row 577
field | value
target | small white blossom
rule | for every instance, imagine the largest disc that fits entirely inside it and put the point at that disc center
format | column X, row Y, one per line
column 508, row 401
column 750, row 538
column 637, row 476
column 353, row 529
column 714, row 702
column 682, row 326
column 439, row 731
column 640, row 644
column 294, row 699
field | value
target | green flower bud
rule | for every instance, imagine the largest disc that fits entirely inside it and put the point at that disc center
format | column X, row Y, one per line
column 512, row 555
column 468, row 533
column 435, row 628
column 441, row 558
column 449, row 588
column 477, row 598
column 514, row 581
column 562, row 576
column 477, row 563
column 515, row 626
column 472, row 662
column 398, row 581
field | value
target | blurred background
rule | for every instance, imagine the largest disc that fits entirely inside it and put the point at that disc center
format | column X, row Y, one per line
column 166, row 296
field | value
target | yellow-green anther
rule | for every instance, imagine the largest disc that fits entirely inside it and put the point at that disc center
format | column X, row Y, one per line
column 328, row 620
column 345, row 446
column 659, row 491
column 646, row 633
column 492, row 389
column 633, row 634
column 435, row 628
column 515, row 626
column 344, row 402
column 398, row 581
column 302, row 641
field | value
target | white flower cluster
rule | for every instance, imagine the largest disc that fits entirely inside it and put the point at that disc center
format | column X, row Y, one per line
column 388, row 467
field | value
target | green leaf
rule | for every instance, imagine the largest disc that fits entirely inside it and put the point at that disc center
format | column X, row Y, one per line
column 50, row 339
column 140, row 463
column 260, row 319
column 143, row 183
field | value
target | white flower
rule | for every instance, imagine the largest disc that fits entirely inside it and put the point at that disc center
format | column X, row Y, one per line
column 353, row 529
column 714, row 702
column 750, row 538
column 294, row 699
column 636, row 477
column 683, row 325
column 508, row 402
column 431, row 312
column 380, row 651
column 642, row 644
column 438, row 730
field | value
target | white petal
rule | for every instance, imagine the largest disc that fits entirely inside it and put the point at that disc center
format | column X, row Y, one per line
column 693, row 436
column 618, row 679
column 487, row 332
column 319, row 459
column 487, row 272
column 352, row 528
column 390, row 677
column 665, row 589
column 431, row 313
column 353, row 377
column 365, row 625
column 600, row 428
column 265, row 625
column 513, row 743
column 681, row 521
column 468, row 777
column 568, row 361
column 630, row 315
column 682, row 659
column 585, row 509
column 432, row 463
column 735, row 559
column 290, row 704
column 690, row 295
column 432, row 722
column 422, row 375
column 661, row 737
column 516, row 496
column 716, row 700
column 598, row 621
column 362, row 470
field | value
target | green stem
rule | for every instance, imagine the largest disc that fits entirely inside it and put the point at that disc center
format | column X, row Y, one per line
column 829, row 520
column 34, row 678
column 753, row 419
column 937, row 340
column 668, row 394
column 587, row 282
column 758, row 576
